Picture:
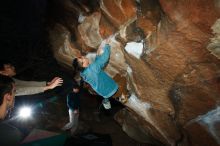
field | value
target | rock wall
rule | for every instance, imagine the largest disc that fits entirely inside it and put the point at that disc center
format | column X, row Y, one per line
column 167, row 50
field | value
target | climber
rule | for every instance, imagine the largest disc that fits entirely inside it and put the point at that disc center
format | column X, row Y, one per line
column 101, row 82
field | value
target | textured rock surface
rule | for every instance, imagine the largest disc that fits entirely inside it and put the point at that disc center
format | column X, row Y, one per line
column 175, row 84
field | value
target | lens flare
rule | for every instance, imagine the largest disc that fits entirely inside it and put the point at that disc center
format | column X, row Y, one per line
column 25, row 112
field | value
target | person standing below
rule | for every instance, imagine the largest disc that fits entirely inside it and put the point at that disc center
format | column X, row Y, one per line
column 28, row 87
column 9, row 135
column 99, row 80
column 7, row 95
column 73, row 104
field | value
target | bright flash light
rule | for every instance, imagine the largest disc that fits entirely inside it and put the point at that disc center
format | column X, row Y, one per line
column 25, row 112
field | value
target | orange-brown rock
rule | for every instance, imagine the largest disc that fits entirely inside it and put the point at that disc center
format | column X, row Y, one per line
column 118, row 12
column 200, row 136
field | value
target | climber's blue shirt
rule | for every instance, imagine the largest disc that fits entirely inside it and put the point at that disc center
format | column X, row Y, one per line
column 101, row 82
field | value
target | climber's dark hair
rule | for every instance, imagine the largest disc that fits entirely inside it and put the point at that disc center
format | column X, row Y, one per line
column 76, row 65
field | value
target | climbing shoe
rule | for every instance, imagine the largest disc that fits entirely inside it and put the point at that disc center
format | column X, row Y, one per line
column 106, row 103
